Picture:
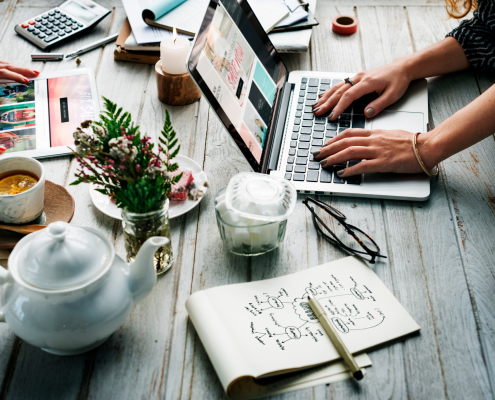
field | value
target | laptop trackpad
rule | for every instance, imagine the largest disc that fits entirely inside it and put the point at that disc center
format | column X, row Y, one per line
column 407, row 121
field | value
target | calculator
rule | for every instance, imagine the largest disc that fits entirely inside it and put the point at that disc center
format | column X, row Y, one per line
column 69, row 19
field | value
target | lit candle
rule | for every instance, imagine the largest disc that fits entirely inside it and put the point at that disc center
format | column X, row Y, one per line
column 173, row 53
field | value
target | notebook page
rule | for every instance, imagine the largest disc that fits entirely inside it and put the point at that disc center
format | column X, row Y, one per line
column 187, row 17
column 273, row 328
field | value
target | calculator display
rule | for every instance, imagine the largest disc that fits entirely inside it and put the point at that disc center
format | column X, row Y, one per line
column 78, row 11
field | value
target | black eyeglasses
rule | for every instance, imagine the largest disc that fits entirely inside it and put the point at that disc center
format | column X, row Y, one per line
column 369, row 246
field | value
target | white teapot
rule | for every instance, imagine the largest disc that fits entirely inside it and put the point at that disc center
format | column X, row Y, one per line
column 65, row 290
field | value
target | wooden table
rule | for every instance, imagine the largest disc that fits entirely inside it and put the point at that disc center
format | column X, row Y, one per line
column 441, row 263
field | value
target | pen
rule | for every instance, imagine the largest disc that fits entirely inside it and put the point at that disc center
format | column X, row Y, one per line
column 47, row 56
column 335, row 337
column 92, row 46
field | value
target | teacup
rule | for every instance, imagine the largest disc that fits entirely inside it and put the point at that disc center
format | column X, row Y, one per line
column 26, row 206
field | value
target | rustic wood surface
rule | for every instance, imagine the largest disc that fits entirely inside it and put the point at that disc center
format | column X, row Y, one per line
column 441, row 252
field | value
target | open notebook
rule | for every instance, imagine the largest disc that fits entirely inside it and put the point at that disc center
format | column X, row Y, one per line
column 262, row 337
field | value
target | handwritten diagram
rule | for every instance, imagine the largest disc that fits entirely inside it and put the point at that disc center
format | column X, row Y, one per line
column 279, row 318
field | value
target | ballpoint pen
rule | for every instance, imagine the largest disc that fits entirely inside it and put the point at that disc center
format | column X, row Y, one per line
column 335, row 337
column 92, row 46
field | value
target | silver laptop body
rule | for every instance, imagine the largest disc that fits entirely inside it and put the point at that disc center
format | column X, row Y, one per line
column 267, row 110
column 410, row 113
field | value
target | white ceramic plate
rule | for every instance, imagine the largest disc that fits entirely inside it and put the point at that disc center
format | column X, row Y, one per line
column 177, row 208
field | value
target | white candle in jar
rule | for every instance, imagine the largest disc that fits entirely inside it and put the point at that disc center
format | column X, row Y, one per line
column 173, row 53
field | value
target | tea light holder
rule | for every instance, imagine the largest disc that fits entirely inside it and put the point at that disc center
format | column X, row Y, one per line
column 175, row 86
column 175, row 90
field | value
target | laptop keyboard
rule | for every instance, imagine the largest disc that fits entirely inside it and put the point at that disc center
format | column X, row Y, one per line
column 310, row 132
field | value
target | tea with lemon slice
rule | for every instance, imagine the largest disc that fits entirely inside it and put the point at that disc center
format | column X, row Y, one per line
column 15, row 182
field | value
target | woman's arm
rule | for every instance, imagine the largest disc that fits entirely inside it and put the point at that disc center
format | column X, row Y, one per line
column 391, row 151
column 392, row 80
column 466, row 127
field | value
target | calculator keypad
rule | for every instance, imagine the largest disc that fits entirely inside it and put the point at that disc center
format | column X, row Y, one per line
column 51, row 26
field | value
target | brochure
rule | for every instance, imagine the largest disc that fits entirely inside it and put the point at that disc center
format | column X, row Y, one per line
column 38, row 118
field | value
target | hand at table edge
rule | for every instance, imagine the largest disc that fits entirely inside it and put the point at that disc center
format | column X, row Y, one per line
column 15, row 73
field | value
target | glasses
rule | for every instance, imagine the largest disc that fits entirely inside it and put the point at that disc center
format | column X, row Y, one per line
column 369, row 247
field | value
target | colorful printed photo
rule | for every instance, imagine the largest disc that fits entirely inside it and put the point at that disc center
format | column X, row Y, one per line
column 14, row 92
column 14, row 116
column 70, row 103
column 255, row 124
column 229, row 54
column 18, row 140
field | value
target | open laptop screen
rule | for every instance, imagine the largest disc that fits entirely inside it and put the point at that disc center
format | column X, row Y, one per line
column 241, row 75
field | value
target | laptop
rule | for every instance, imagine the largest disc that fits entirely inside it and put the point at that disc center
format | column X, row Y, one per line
column 267, row 110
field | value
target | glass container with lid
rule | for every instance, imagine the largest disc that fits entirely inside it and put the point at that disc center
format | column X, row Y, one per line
column 260, row 197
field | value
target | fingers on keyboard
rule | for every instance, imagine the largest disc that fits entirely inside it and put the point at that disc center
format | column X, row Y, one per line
column 309, row 133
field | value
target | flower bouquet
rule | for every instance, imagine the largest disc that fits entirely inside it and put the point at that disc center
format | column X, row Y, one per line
column 137, row 176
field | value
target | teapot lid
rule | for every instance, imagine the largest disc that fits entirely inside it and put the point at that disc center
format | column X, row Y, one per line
column 63, row 256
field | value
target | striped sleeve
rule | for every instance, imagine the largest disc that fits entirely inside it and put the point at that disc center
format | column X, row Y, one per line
column 477, row 37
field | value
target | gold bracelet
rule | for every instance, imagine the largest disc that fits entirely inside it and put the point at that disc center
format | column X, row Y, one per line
column 420, row 161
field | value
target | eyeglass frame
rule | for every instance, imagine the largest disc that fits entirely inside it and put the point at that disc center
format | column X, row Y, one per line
column 340, row 217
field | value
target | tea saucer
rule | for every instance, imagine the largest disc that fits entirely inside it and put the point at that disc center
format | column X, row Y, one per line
column 59, row 206
column 177, row 208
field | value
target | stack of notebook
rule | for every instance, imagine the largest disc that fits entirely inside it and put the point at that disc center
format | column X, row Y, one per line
column 288, row 22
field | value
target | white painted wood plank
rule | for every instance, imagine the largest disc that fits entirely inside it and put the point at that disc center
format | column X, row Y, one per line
column 337, row 53
column 163, row 313
column 214, row 265
column 8, row 342
column 297, row 61
column 211, row 266
column 330, row 51
column 388, row 3
column 37, row 373
column 430, row 276
column 10, row 345
column 469, row 176
column 6, row 9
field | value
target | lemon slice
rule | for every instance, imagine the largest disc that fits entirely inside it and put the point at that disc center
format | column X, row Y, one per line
column 16, row 184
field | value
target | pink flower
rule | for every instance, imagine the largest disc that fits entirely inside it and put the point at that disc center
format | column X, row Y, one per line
column 122, row 167
column 138, row 168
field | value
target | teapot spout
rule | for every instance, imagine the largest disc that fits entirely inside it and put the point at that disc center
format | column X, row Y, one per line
column 142, row 275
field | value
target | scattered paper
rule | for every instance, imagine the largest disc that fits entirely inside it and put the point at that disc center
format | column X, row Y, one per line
column 142, row 31
column 186, row 17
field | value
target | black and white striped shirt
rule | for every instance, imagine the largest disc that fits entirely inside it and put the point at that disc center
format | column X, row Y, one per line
column 477, row 36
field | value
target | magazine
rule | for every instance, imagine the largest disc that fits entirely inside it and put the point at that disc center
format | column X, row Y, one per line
column 38, row 118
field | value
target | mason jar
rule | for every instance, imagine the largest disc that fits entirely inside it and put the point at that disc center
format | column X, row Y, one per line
column 140, row 227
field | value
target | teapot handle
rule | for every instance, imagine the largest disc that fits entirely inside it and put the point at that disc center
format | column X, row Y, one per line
column 5, row 277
